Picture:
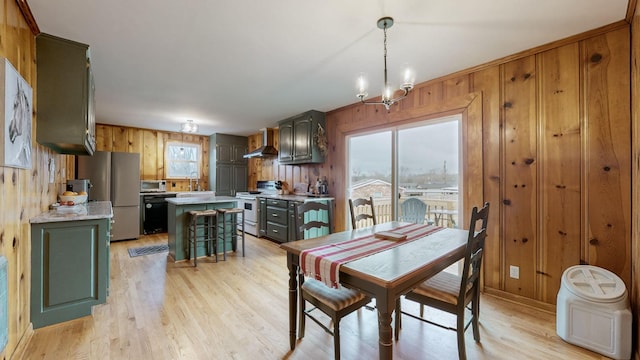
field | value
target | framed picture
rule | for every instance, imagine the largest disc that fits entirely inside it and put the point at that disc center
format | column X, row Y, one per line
column 16, row 103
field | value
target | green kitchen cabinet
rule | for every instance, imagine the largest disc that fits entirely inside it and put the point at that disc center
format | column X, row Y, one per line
column 302, row 139
column 65, row 106
column 70, row 269
column 227, row 167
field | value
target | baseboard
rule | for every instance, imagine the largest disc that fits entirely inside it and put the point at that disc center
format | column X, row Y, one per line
column 21, row 347
column 551, row 308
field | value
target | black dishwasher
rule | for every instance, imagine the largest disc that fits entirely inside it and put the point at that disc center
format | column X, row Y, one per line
column 155, row 213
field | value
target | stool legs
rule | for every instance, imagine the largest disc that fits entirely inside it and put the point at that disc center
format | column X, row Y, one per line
column 237, row 229
column 209, row 233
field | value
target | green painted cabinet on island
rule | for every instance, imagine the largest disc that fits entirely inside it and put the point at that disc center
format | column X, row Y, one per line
column 70, row 269
column 65, row 106
column 302, row 139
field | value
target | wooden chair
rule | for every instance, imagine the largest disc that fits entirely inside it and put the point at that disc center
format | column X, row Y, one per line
column 452, row 293
column 335, row 303
column 362, row 209
column 413, row 210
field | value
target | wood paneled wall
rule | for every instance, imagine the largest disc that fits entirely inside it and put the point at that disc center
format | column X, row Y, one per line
column 554, row 157
column 24, row 193
column 150, row 144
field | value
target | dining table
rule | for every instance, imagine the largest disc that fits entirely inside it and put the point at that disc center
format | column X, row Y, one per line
column 384, row 275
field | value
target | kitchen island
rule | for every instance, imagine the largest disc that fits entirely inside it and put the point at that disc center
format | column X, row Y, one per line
column 69, row 261
column 178, row 222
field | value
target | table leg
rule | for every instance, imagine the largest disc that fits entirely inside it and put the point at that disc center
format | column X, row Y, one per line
column 293, row 300
column 385, row 342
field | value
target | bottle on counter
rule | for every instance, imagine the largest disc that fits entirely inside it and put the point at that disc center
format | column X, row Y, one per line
column 318, row 187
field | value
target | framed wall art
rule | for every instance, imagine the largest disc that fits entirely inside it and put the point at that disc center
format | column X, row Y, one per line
column 16, row 102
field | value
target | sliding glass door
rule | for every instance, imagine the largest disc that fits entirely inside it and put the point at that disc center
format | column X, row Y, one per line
column 413, row 172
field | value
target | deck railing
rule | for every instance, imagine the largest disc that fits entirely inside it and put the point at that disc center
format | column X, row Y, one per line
column 382, row 207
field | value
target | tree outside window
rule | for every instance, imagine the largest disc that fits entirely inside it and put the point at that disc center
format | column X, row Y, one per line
column 182, row 160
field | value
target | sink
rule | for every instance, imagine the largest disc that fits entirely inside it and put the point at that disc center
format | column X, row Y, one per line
column 195, row 194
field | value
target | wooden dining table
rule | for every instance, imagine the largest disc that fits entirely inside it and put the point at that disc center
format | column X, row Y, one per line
column 385, row 275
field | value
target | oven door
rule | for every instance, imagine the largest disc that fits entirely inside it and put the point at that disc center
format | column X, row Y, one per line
column 250, row 215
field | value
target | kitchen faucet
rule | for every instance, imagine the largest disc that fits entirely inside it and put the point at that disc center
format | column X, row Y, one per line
column 192, row 176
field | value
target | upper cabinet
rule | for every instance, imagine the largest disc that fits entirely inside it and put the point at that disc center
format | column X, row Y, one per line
column 65, row 105
column 302, row 139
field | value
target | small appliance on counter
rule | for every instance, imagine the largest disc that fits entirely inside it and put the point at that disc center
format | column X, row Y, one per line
column 79, row 185
column 153, row 186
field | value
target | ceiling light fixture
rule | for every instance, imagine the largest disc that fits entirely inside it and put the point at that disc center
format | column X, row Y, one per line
column 189, row 127
column 408, row 79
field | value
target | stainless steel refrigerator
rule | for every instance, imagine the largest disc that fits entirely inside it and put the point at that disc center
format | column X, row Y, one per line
column 115, row 177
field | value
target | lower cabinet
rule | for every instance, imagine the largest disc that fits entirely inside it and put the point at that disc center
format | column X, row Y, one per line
column 277, row 219
column 70, row 269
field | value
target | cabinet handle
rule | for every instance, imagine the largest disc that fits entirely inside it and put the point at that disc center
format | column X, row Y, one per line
column 275, row 231
column 274, row 215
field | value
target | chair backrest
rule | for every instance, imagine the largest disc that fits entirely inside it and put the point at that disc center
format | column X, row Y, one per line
column 473, row 254
column 362, row 209
column 413, row 210
column 313, row 215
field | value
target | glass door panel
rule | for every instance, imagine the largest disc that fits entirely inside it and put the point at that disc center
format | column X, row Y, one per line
column 370, row 171
column 429, row 171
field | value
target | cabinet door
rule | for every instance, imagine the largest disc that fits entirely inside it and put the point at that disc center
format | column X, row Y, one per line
column 224, row 180
column 238, row 152
column 239, row 178
column 285, row 150
column 262, row 218
column 224, row 153
column 303, row 141
column 294, row 233
column 69, row 269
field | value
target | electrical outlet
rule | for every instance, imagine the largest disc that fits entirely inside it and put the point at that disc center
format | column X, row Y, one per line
column 514, row 272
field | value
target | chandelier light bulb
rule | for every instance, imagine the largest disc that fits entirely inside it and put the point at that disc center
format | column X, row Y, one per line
column 408, row 78
column 387, row 93
column 362, row 85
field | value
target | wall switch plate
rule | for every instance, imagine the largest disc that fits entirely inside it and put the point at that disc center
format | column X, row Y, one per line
column 514, row 272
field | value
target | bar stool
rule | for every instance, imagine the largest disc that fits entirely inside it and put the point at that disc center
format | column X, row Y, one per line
column 202, row 229
column 235, row 232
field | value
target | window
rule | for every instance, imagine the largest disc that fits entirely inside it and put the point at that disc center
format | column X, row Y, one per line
column 182, row 160
column 418, row 160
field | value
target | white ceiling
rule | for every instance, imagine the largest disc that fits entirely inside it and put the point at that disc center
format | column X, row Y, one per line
column 237, row 66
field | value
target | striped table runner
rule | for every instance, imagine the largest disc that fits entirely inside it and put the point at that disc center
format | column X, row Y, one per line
column 323, row 263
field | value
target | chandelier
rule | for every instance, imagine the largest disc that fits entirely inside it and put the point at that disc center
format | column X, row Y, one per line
column 408, row 78
column 189, row 127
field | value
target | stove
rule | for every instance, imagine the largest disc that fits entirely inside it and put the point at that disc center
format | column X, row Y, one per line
column 248, row 200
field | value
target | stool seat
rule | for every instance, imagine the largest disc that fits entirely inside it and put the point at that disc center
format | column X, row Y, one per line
column 204, row 231
column 235, row 232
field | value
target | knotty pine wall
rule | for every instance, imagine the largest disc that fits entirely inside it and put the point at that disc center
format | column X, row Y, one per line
column 150, row 144
column 24, row 193
column 555, row 157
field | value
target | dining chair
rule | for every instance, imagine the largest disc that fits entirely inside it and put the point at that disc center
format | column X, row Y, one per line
column 362, row 212
column 335, row 303
column 453, row 293
column 413, row 210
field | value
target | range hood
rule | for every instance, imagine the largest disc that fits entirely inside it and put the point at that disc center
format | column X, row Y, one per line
column 267, row 149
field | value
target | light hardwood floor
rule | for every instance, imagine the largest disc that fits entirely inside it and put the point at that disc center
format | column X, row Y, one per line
column 238, row 309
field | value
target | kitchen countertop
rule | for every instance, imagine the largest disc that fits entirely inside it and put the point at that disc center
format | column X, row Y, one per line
column 297, row 197
column 88, row 211
column 200, row 200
